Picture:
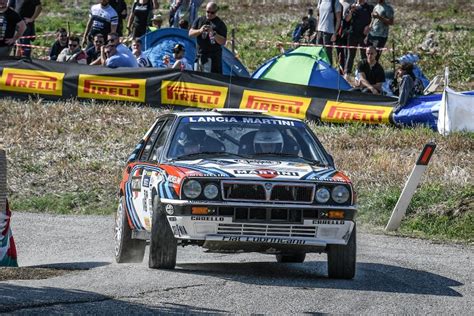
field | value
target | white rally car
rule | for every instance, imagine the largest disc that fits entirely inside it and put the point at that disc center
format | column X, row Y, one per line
column 232, row 182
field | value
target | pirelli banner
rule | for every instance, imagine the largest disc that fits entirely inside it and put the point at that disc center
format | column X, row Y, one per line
column 166, row 87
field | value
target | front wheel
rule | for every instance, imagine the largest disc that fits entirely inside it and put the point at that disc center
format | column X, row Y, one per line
column 342, row 259
column 163, row 245
column 127, row 250
column 291, row 258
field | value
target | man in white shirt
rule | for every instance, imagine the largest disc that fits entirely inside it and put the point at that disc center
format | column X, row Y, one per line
column 329, row 12
column 103, row 19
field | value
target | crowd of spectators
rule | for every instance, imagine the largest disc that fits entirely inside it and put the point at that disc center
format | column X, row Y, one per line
column 345, row 23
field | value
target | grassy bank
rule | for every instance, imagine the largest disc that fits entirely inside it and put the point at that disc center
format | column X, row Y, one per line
column 67, row 158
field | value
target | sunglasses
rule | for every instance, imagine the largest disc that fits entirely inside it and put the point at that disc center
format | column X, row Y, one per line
column 73, row 45
column 211, row 12
column 99, row 42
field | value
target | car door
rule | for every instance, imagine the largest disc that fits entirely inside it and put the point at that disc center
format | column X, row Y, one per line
column 137, row 193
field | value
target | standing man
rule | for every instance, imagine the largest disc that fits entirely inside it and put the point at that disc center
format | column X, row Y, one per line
column 121, row 8
column 29, row 10
column 359, row 16
column 382, row 18
column 103, row 19
column 329, row 12
column 11, row 28
column 211, row 34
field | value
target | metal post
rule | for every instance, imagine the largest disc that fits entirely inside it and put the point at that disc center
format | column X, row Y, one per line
column 233, row 41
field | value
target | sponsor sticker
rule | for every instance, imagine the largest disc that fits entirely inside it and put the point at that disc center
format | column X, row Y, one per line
column 267, row 173
column 193, row 94
column 328, row 222
column 340, row 112
column 273, row 240
column 111, row 88
column 32, row 81
column 274, row 103
column 247, row 120
column 208, row 218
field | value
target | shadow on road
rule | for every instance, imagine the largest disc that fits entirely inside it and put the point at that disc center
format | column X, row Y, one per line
column 50, row 300
column 369, row 277
column 72, row 265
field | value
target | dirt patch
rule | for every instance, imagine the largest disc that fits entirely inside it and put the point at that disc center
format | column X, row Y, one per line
column 9, row 273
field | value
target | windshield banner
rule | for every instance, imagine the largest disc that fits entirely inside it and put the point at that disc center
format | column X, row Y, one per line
column 168, row 87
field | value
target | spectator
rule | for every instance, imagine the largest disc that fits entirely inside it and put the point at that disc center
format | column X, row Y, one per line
column 405, row 85
column 304, row 31
column 359, row 16
column 139, row 17
column 12, row 27
column 60, row 43
column 371, row 73
column 179, row 9
column 329, row 13
column 114, row 39
column 382, row 18
column 29, row 11
column 121, row 8
column 103, row 19
column 312, row 21
column 142, row 60
column 341, row 36
column 183, row 24
column 180, row 61
column 93, row 53
column 156, row 23
column 114, row 59
column 74, row 52
column 211, row 34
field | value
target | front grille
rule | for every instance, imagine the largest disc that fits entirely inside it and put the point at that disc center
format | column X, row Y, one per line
column 266, row 230
column 292, row 193
column 246, row 191
column 262, row 214
column 269, row 191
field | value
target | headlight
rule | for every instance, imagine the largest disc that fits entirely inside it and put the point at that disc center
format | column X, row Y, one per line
column 340, row 194
column 322, row 195
column 192, row 189
column 211, row 191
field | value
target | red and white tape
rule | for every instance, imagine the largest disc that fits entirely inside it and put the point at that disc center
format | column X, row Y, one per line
column 32, row 46
column 309, row 44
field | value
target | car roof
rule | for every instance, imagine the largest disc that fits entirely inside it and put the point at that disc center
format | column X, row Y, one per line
column 232, row 112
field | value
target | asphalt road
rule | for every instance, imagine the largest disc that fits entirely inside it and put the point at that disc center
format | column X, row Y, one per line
column 394, row 276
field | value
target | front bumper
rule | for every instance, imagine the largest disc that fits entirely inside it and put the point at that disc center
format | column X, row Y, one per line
column 309, row 231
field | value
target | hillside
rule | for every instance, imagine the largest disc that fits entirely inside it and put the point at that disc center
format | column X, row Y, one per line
column 67, row 157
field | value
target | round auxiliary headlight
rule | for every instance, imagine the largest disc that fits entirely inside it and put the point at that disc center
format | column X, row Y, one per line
column 192, row 189
column 211, row 191
column 322, row 195
column 340, row 194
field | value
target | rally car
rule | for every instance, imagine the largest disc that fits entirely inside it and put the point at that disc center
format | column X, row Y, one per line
column 235, row 182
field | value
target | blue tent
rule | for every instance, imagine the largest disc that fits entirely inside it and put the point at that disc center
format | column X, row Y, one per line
column 304, row 65
column 161, row 42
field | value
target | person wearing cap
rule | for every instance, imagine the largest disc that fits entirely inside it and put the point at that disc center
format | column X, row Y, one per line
column 211, row 34
column 180, row 61
column 156, row 23
column 139, row 17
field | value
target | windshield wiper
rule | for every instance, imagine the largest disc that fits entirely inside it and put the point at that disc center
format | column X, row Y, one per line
column 206, row 153
column 310, row 161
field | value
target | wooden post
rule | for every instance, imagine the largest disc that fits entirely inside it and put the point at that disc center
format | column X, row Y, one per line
column 233, row 41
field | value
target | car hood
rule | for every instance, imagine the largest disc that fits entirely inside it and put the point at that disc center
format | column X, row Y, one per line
column 256, row 170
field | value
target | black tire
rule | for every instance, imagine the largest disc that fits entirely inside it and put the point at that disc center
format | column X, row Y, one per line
column 127, row 250
column 342, row 259
column 163, row 245
column 291, row 258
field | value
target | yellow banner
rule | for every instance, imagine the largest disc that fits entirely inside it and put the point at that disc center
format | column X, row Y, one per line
column 32, row 81
column 111, row 88
column 342, row 112
column 277, row 104
column 193, row 94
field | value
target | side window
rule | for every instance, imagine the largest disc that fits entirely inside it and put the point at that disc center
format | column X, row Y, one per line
column 151, row 140
column 160, row 142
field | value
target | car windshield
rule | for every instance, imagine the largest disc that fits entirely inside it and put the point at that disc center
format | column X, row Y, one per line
column 244, row 137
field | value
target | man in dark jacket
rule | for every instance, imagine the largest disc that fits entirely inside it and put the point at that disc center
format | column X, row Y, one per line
column 12, row 28
column 29, row 10
column 211, row 34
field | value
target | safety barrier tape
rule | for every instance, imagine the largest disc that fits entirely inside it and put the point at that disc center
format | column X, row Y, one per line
column 32, row 46
column 309, row 44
